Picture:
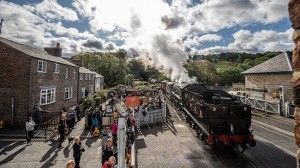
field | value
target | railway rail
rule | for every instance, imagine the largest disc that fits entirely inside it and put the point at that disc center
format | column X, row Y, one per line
column 269, row 140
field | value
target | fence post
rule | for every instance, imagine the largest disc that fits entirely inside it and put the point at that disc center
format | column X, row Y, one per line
column 121, row 142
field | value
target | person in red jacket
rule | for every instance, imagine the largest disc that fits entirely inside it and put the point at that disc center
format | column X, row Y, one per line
column 110, row 163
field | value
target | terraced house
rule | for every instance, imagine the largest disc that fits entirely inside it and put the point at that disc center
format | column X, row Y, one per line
column 29, row 75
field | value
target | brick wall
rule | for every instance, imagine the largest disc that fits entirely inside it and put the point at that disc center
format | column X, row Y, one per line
column 59, row 81
column 271, row 83
column 14, row 85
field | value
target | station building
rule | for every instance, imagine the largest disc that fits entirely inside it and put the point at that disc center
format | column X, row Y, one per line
column 263, row 81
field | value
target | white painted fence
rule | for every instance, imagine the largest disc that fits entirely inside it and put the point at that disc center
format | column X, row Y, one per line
column 263, row 105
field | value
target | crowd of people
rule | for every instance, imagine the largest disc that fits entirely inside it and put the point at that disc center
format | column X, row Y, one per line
column 149, row 100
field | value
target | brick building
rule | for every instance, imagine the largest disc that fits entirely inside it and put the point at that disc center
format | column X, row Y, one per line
column 263, row 80
column 29, row 75
column 86, row 82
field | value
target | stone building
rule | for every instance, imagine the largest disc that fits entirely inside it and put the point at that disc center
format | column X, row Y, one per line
column 86, row 82
column 29, row 75
column 263, row 80
column 99, row 82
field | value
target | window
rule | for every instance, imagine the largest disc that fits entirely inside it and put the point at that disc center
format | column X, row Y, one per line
column 86, row 76
column 90, row 77
column 82, row 92
column 42, row 66
column 68, row 92
column 67, row 73
column 91, row 88
column 47, row 96
column 93, row 77
column 75, row 73
column 56, row 68
column 81, row 76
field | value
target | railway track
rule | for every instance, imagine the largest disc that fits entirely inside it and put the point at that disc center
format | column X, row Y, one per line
column 228, row 158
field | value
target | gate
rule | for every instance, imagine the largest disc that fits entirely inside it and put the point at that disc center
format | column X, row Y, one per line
column 49, row 120
column 150, row 116
column 263, row 105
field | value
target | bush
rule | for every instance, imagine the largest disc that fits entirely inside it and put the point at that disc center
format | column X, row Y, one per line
column 87, row 103
column 98, row 101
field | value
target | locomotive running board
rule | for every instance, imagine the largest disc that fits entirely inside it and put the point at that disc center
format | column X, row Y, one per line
column 195, row 120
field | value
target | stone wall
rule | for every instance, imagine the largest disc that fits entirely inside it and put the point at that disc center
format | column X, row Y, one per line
column 271, row 83
column 294, row 13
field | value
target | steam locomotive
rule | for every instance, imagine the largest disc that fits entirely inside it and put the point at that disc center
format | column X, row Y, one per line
column 215, row 115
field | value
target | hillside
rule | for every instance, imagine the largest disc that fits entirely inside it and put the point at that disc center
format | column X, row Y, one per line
column 220, row 65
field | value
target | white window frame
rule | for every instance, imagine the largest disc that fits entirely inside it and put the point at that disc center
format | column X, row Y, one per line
column 81, row 76
column 83, row 92
column 90, row 76
column 68, row 93
column 86, row 77
column 67, row 73
column 75, row 73
column 47, row 96
column 56, row 68
column 43, row 68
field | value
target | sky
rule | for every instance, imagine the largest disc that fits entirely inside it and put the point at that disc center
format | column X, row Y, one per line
column 162, row 32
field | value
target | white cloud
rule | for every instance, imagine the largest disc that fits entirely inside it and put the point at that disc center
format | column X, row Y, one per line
column 196, row 40
column 50, row 9
column 262, row 41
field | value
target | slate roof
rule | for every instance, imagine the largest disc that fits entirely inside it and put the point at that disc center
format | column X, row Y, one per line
column 86, row 71
column 98, row 75
column 280, row 64
column 34, row 52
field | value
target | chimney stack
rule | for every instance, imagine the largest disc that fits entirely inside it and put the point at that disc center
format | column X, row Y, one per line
column 55, row 51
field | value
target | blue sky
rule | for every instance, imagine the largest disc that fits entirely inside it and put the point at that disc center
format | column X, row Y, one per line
column 163, row 30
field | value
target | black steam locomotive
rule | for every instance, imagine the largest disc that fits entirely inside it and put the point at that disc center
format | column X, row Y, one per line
column 214, row 114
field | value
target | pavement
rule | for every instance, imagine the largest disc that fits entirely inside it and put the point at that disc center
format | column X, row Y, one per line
column 44, row 154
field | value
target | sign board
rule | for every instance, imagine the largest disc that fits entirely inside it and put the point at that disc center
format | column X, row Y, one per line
column 133, row 101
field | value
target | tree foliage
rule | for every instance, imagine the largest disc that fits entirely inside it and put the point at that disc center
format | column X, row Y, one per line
column 115, row 69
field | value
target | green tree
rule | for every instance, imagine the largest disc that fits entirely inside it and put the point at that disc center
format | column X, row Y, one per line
column 204, row 71
column 113, row 69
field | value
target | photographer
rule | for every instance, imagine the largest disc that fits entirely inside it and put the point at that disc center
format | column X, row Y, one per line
column 77, row 151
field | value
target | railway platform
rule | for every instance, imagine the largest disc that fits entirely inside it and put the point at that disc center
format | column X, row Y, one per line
column 171, row 145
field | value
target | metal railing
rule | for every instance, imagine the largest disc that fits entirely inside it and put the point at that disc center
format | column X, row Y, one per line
column 263, row 105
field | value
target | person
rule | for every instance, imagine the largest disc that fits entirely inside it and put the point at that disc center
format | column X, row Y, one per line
column 95, row 123
column 77, row 109
column 69, row 120
column 29, row 130
column 37, row 115
column 61, row 130
column 107, row 150
column 114, row 130
column 77, row 150
column 110, row 163
column 127, row 156
column 62, row 115
column 71, row 164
